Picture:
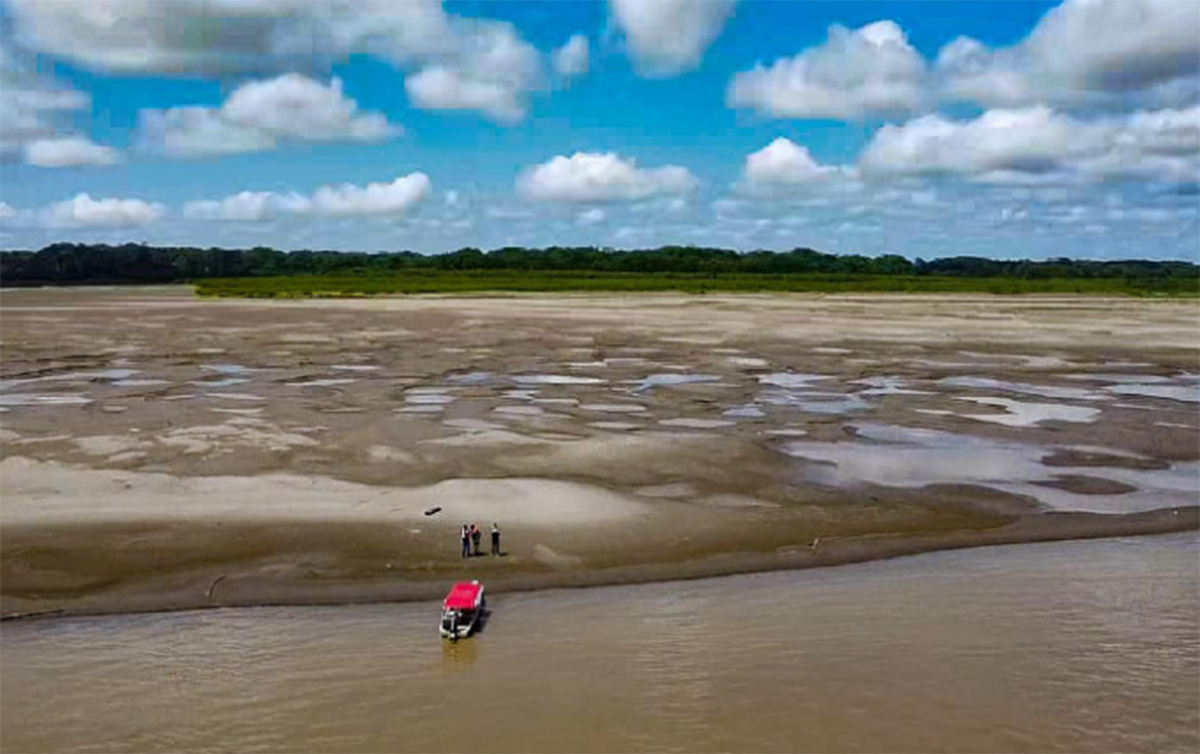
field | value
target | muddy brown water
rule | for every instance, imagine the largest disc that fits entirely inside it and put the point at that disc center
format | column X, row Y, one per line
column 1077, row 646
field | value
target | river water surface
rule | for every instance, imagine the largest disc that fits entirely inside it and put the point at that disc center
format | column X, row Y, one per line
column 1082, row 646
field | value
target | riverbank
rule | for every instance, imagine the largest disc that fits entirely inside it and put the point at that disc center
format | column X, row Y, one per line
column 80, row 541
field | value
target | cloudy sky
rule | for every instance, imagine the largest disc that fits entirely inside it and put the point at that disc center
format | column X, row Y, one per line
column 1007, row 129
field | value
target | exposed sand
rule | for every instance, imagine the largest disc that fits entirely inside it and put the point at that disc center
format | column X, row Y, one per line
column 92, row 496
column 159, row 451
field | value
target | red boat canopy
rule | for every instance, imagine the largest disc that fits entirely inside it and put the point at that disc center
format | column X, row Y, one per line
column 463, row 596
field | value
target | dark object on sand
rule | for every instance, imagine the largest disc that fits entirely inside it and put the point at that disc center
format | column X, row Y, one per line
column 431, row 511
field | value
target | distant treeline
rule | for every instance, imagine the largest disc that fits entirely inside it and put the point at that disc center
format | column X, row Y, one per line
column 82, row 264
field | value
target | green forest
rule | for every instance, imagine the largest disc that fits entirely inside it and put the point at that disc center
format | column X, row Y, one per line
column 266, row 272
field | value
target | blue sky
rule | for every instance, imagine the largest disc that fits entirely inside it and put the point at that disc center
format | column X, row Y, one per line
column 1006, row 129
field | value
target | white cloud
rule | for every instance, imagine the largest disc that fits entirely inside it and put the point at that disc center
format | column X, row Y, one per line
column 441, row 88
column 1030, row 140
column 216, row 37
column 1119, row 44
column 345, row 200
column 6, row 211
column 1083, row 51
column 68, row 151
column 969, row 71
column 211, row 37
column 596, row 177
column 298, row 107
column 571, row 59
column 785, row 163
column 668, row 37
column 258, row 115
column 33, row 106
column 591, row 216
column 492, row 70
column 855, row 74
column 246, row 206
column 85, row 212
column 1037, row 144
column 393, row 198
column 198, row 132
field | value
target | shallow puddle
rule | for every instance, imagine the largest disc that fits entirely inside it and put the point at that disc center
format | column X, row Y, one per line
column 814, row 402
column 1022, row 414
column 791, row 379
column 429, row 399
column 887, row 386
column 225, row 382
column 327, row 382
column 226, row 368
column 555, row 379
column 1044, row 391
column 668, row 380
column 24, row 399
column 1179, row 393
column 744, row 412
column 908, row 457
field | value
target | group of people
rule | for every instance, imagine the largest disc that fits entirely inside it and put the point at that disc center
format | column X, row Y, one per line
column 471, row 536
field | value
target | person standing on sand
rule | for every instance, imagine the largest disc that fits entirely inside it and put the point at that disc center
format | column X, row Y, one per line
column 495, row 539
column 466, row 541
column 476, row 535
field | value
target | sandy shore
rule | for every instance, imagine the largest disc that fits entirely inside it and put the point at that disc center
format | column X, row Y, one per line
column 158, row 451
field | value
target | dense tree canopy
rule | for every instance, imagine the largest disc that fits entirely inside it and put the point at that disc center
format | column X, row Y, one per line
column 77, row 264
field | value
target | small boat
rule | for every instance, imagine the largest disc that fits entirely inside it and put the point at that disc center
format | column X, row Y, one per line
column 461, row 610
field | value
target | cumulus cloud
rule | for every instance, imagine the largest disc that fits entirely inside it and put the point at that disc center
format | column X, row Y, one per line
column 68, row 151
column 856, row 74
column 571, row 59
column 345, row 200
column 785, row 163
column 440, row 88
column 1037, row 144
column 393, row 198
column 597, row 177
column 85, row 212
column 1081, row 52
column 217, row 37
column 492, row 70
column 247, row 206
column 213, row 37
column 667, row 37
column 296, row 106
column 33, row 106
column 198, row 132
column 1124, row 54
column 258, row 115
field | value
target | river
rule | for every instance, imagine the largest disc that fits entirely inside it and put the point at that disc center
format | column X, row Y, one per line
column 1077, row 646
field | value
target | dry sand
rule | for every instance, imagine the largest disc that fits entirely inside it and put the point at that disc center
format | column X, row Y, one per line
column 158, row 451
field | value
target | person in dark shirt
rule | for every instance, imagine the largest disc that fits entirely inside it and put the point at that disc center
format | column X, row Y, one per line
column 495, row 539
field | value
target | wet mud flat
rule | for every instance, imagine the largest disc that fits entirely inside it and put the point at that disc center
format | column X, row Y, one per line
column 160, row 451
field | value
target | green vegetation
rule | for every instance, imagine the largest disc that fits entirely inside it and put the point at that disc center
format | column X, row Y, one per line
column 485, row 281
column 264, row 272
